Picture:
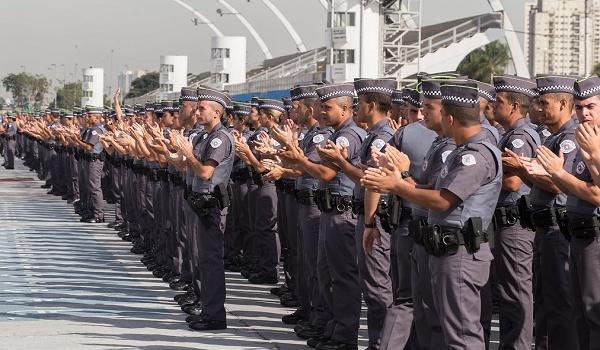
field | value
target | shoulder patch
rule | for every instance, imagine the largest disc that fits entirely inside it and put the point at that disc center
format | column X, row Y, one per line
column 215, row 143
column 580, row 167
column 468, row 160
column 425, row 163
column 342, row 141
column 94, row 132
column 518, row 143
column 318, row 138
column 301, row 136
column 204, row 136
column 445, row 155
column 378, row 143
column 546, row 132
column 567, row 146
column 444, row 171
column 191, row 137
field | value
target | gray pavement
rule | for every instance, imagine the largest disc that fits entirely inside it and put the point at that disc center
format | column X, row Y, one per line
column 68, row 285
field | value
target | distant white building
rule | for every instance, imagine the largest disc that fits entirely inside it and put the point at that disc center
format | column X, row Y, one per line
column 227, row 60
column 556, row 41
column 124, row 80
column 347, row 37
column 93, row 87
column 172, row 75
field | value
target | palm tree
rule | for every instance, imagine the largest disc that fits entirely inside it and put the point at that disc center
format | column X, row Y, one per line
column 483, row 63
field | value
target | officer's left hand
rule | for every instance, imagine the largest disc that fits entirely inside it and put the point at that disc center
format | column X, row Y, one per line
column 552, row 163
column 399, row 159
column 381, row 180
column 274, row 174
column 393, row 124
column 332, row 152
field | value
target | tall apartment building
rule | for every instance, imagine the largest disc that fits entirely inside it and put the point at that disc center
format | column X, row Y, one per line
column 556, row 39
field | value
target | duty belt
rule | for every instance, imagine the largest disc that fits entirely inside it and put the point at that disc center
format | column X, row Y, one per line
column 328, row 202
column 241, row 175
column 506, row 216
column 442, row 240
column 306, row 197
column 285, row 186
column 583, row 227
column 96, row 157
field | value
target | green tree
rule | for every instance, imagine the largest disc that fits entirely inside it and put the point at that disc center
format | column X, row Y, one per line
column 26, row 88
column 483, row 63
column 143, row 84
column 2, row 102
column 596, row 70
column 69, row 96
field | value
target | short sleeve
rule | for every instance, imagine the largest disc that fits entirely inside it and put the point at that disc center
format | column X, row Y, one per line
column 465, row 174
column 522, row 145
column 568, row 146
column 218, row 149
column 320, row 139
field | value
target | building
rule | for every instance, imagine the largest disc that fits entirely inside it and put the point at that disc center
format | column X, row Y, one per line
column 173, row 75
column 559, row 39
column 124, row 80
column 93, row 87
column 227, row 60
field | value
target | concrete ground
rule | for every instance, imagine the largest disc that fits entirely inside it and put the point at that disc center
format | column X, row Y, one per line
column 68, row 285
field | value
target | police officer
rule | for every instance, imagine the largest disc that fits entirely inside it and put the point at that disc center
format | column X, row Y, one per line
column 487, row 96
column 547, row 209
column 426, row 322
column 460, row 211
column 10, row 135
column 513, row 248
column 211, row 165
column 311, row 315
column 337, row 268
column 374, row 101
column 93, row 147
column 583, row 211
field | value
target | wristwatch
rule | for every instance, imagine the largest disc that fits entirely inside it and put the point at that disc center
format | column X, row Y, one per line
column 405, row 175
column 371, row 225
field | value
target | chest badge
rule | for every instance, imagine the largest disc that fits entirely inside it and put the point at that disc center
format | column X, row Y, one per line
column 445, row 156
column 567, row 146
column 342, row 141
column 378, row 143
column 444, row 172
column 580, row 167
column 468, row 160
column 216, row 143
column 517, row 143
column 318, row 138
column 546, row 133
column 301, row 136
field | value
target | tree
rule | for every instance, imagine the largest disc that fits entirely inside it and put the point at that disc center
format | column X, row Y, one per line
column 69, row 95
column 26, row 88
column 596, row 70
column 2, row 102
column 143, row 84
column 483, row 63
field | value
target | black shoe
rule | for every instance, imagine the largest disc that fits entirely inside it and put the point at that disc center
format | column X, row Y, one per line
column 71, row 200
column 263, row 278
column 94, row 220
column 172, row 278
column 335, row 345
column 137, row 250
column 294, row 317
column 160, row 272
column 194, row 318
column 208, row 325
column 65, row 197
column 290, row 302
column 178, row 297
column 119, row 226
column 128, row 237
column 179, row 285
column 192, row 309
column 308, row 332
column 278, row 291
column 46, row 186
column 111, row 224
column 188, row 300
column 313, row 342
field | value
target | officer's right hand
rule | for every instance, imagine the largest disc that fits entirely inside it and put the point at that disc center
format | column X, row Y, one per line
column 370, row 235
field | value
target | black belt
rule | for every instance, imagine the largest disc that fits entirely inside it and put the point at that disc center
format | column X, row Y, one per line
column 241, row 175
column 584, row 227
column 548, row 217
column 441, row 240
column 10, row 138
column 506, row 216
column 95, row 157
column 285, row 186
column 328, row 202
column 306, row 197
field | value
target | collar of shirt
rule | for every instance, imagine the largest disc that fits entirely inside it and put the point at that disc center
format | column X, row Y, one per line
column 378, row 126
column 345, row 124
column 568, row 125
column 480, row 136
column 519, row 124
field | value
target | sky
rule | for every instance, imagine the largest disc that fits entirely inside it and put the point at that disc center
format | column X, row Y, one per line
column 132, row 34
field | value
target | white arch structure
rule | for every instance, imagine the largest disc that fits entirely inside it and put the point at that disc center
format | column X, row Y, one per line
column 261, row 43
column 288, row 26
column 512, row 40
column 201, row 16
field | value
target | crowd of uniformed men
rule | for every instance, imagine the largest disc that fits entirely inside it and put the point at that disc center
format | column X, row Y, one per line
column 429, row 203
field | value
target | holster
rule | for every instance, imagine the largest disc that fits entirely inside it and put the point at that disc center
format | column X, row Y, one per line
column 305, row 197
column 506, row 216
column 416, row 228
column 525, row 212
column 584, row 228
